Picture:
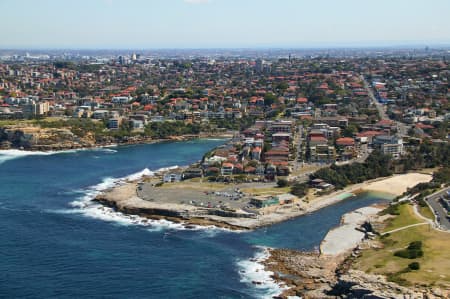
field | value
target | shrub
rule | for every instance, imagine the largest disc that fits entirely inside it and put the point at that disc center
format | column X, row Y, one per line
column 391, row 210
column 414, row 250
column 414, row 266
column 416, row 245
column 282, row 183
column 409, row 254
column 299, row 189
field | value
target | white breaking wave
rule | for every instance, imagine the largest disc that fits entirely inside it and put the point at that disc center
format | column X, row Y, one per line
column 86, row 206
column 6, row 155
column 138, row 175
column 252, row 272
column 105, row 150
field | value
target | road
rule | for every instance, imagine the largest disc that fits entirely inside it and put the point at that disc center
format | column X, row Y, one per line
column 402, row 129
column 299, row 142
column 375, row 102
column 438, row 209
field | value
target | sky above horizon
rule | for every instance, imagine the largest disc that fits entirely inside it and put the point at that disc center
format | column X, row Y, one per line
column 141, row 24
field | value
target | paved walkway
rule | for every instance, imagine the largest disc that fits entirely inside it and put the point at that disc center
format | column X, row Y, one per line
column 404, row 227
column 433, row 224
column 427, row 221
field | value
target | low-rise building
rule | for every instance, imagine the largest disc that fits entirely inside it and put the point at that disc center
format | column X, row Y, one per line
column 389, row 144
column 227, row 169
column 264, row 201
column 172, row 177
column 114, row 123
column 192, row 172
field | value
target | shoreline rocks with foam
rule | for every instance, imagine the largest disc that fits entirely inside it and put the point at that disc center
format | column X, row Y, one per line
column 89, row 207
column 252, row 272
column 328, row 273
column 125, row 199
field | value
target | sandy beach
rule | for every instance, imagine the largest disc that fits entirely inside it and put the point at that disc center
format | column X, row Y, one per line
column 398, row 184
column 346, row 237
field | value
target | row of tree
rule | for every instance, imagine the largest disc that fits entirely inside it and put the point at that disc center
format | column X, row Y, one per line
column 376, row 165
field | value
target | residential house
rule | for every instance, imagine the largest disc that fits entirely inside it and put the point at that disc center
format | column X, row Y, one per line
column 227, row 168
column 346, row 148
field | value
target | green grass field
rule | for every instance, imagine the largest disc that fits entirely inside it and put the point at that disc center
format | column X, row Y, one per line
column 434, row 265
column 426, row 212
column 407, row 218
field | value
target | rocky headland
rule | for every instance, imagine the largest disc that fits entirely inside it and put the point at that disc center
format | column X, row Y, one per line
column 35, row 138
column 328, row 273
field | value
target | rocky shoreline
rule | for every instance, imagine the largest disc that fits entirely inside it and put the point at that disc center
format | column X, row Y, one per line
column 171, row 203
column 166, row 214
column 321, row 276
column 311, row 275
column 32, row 138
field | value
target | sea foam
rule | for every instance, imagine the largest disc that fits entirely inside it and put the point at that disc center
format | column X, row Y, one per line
column 87, row 207
column 6, row 155
column 252, row 272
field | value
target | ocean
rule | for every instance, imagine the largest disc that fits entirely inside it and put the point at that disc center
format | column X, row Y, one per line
column 56, row 243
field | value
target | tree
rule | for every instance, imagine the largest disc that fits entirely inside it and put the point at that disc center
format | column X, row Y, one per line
column 299, row 189
column 269, row 99
column 282, row 183
column 350, row 130
column 376, row 165
column 442, row 176
column 282, row 86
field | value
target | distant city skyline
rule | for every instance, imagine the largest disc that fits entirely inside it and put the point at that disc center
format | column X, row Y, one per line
column 196, row 24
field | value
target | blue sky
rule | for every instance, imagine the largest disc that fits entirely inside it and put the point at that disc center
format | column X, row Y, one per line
column 140, row 24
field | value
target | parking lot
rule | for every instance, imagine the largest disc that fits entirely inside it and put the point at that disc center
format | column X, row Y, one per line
column 230, row 197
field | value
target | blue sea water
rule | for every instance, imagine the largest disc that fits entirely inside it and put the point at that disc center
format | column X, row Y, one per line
column 51, row 246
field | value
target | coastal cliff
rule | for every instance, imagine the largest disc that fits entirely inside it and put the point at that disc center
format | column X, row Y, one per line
column 35, row 138
column 42, row 139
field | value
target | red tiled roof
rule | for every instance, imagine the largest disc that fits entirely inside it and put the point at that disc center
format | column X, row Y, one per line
column 369, row 134
column 280, row 163
column 424, row 126
column 384, row 122
column 318, row 138
column 345, row 141
column 249, row 169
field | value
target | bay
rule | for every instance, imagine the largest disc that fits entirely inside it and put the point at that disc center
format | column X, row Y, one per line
column 52, row 248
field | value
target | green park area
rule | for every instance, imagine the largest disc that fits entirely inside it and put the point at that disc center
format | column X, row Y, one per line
column 416, row 255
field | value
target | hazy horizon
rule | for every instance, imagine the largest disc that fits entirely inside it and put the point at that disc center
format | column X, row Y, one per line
column 222, row 24
column 399, row 45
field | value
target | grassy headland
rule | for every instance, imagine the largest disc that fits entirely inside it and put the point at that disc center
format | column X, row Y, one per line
column 434, row 264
